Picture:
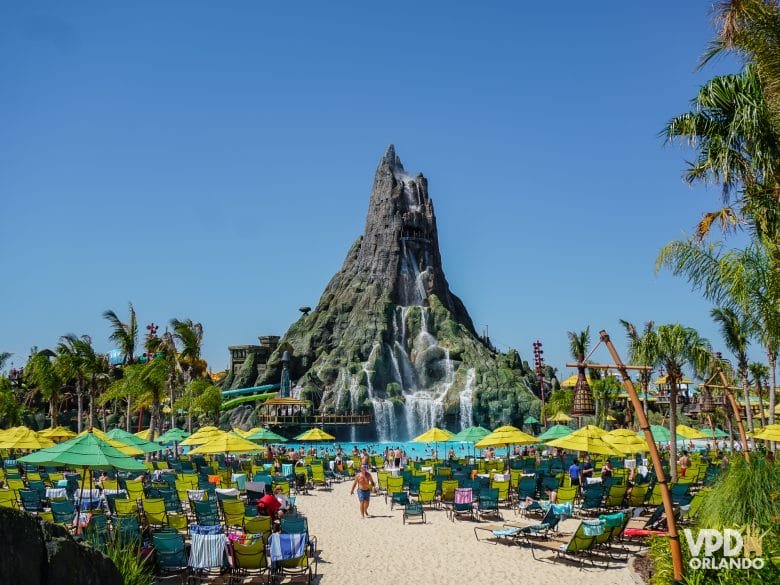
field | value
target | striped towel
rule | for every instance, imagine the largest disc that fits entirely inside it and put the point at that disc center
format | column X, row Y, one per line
column 287, row 546
column 208, row 547
column 563, row 510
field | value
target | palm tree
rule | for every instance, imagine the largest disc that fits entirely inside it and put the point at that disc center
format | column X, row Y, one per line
column 41, row 373
column 747, row 281
column 125, row 336
column 641, row 352
column 144, row 384
column 736, row 147
column 676, row 348
column 78, row 361
column 579, row 342
column 760, row 373
column 751, row 28
column 735, row 333
column 185, row 345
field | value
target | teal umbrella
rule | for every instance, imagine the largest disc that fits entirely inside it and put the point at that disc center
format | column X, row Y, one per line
column 556, row 432
column 719, row 434
column 529, row 420
column 660, row 434
column 266, row 436
column 174, row 435
column 86, row 450
column 470, row 435
column 131, row 439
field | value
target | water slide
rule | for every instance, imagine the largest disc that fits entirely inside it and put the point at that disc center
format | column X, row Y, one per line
column 232, row 398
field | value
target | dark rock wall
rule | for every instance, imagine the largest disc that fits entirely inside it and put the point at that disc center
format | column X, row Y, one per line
column 38, row 553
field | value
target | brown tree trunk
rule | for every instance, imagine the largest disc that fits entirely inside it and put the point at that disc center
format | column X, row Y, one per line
column 127, row 416
column 772, row 398
column 746, row 392
column 79, row 406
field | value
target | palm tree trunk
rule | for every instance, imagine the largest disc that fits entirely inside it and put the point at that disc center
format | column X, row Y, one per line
column 760, row 392
column 53, row 411
column 91, row 410
column 772, row 366
column 672, row 427
column 127, row 416
column 746, row 391
column 79, row 406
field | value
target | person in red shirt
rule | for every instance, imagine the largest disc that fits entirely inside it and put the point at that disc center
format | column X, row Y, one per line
column 269, row 505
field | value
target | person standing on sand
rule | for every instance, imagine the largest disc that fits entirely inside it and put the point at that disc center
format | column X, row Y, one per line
column 365, row 485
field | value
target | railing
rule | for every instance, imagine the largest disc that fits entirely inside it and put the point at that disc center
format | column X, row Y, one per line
column 316, row 419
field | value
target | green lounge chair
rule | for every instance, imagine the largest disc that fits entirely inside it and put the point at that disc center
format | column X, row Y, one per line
column 249, row 560
column 578, row 546
column 427, row 493
column 414, row 510
column 169, row 553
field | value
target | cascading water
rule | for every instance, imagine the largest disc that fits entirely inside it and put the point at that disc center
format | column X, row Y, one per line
column 465, row 399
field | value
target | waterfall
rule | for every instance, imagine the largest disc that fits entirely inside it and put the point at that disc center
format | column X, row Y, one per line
column 465, row 399
column 354, row 388
column 384, row 413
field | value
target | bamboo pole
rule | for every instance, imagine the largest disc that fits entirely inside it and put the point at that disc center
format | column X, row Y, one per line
column 607, row 366
column 737, row 417
column 674, row 538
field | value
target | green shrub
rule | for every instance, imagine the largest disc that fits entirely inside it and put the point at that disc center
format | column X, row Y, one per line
column 135, row 570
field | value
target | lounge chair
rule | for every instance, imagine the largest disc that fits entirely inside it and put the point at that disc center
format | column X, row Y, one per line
column 414, row 510
column 615, row 496
column 427, row 493
column 249, row 560
column 591, row 500
column 512, row 533
column 487, row 503
column 578, row 545
column 463, row 504
column 169, row 553
column 291, row 555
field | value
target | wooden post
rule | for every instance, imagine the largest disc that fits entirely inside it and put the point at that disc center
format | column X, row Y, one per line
column 735, row 408
column 674, row 538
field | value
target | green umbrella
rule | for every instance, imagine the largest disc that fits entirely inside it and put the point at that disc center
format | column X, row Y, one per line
column 719, row 434
column 660, row 434
column 529, row 420
column 174, row 435
column 266, row 436
column 131, row 439
column 470, row 435
column 86, row 450
column 556, row 432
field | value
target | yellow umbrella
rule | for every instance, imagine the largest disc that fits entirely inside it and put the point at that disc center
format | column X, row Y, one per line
column 768, row 433
column 434, row 435
column 24, row 438
column 571, row 381
column 690, row 433
column 611, row 418
column 57, row 433
column 5, row 432
column 588, row 439
column 143, row 434
column 202, row 435
column 225, row 443
column 505, row 436
column 626, row 441
column 245, row 434
column 561, row 418
column 315, row 434
column 124, row 448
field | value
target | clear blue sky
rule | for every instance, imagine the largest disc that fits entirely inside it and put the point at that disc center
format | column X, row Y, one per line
column 214, row 161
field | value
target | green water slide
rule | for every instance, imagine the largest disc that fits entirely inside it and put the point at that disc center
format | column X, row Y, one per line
column 232, row 398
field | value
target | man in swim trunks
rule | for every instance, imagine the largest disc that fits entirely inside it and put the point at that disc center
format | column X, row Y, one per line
column 365, row 484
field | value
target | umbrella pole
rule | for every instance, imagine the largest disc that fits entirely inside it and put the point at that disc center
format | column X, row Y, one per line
column 674, row 538
column 81, row 495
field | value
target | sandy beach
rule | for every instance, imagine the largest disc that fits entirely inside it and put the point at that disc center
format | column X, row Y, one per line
column 382, row 549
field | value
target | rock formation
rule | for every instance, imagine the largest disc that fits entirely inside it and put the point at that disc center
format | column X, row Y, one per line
column 39, row 553
column 389, row 335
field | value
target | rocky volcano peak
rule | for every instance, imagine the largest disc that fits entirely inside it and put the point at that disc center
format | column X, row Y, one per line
column 389, row 337
column 400, row 245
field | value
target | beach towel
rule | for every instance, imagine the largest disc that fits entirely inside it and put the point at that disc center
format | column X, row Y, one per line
column 208, row 547
column 563, row 510
column 463, row 496
column 287, row 546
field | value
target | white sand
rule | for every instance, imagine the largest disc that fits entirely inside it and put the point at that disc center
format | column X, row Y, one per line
column 382, row 549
